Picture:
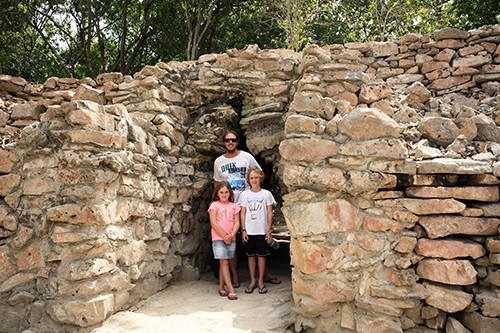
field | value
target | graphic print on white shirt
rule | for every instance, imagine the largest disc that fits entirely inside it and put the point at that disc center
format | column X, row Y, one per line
column 256, row 204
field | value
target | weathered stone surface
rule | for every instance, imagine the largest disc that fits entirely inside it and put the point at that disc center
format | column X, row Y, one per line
column 68, row 233
column 323, row 293
column 417, row 292
column 433, row 206
column 377, row 325
column 478, row 193
column 449, row 248
column 417, row 94
column 7, row 266
column 84, row 269
column 98, row 138
column 382, row 49
column 8, row 184
column 406, row 244
column 25, row 111
column 373, row 92
column 398, row 167
column 312, row 257
column 454, row 326
column 316, row 177
column 454, row 272
column 301, row 124
column 441, row 131
column 447, row 299
column 366, row 124
column 478, row 323
column 82, row 312
column 16, row 280
column 486, row 128
column 307, row 149
column 472, row 61
column 31, row 257
column 116, row 281
column 494, row 276
column 85, row 92
column 329, row 216
column 453, row 166
column 493, row 245
column 447, row 33
column 12, row 83
column 361, row 181
column 449, row 82
column 72, row 213
column 383, row 148
column 324, row 107
column 489, row 302
column 381, row 223
column 115, row 77
column 490, row 210
column 439, row 226
column 132, row 253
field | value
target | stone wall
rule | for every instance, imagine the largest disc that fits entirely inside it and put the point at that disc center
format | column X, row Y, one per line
column 384, row 158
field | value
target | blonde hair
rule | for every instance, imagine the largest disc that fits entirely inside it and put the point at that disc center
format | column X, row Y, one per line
column 257, row 171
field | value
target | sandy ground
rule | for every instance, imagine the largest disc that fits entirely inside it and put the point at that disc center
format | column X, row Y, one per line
column 196, row 307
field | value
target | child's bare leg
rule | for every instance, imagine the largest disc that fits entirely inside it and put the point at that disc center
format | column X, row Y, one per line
column 233, row 267
column 251, row 271
column 221, row 279
column 261, row 261
column 226, row 276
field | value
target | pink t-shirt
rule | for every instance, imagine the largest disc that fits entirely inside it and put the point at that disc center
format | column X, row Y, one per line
column 225, row 216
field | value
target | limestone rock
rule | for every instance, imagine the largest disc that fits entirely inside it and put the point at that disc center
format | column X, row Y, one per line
column 449, row 248
column 446, row 298
column 366, row 124
column 454, row 272
column 439, row 226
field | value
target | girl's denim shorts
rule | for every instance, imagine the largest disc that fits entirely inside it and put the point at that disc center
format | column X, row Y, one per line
column 223, row 250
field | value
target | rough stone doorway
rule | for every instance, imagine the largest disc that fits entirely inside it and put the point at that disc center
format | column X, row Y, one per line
column 194, row 305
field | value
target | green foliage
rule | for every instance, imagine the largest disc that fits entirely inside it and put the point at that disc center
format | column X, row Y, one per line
column 470, row 14
column 43, row 38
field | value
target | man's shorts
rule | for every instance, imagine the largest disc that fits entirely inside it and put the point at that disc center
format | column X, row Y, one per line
column 223, row 250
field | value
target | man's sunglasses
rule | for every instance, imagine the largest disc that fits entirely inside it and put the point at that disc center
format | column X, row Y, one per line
column 230, row 140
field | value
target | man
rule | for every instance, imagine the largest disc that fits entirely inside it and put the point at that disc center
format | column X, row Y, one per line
column 232, row 167
column 233, row 164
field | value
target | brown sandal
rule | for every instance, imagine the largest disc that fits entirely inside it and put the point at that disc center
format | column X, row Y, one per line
column 232, row 296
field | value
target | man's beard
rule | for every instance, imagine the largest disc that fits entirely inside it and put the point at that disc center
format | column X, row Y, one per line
column 231, row 150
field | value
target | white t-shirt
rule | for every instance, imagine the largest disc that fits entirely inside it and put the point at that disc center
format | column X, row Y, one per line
column 256, row 204
column 233, row 170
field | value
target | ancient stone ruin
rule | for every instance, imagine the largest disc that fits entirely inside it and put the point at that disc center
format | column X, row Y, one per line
column 384, row 158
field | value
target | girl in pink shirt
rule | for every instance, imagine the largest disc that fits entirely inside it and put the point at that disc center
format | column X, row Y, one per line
column 225, row 222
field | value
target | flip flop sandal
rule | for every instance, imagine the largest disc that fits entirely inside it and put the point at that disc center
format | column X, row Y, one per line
column 232, row 296
column 273, row 280
column 262, row 290
column 250, row 290
column 236, row 285
column 222, row 293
